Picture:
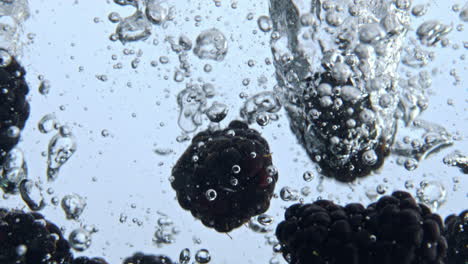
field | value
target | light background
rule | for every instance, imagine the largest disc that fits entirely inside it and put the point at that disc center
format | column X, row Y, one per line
column 126, row 169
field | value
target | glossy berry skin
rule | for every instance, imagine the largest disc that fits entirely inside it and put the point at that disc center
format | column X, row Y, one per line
column 43, row 241
column 14, row 108
column 86, row 260
column 140, row 258
column 456, row 232
column 393, row 230
column 225, row 177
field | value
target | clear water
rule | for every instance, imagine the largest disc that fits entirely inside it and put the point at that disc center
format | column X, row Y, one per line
column 118, row 88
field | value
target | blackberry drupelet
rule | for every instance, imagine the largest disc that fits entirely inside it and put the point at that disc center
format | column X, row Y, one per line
column 14, row 108
column 456, row 232
column 140, row 258
column 27, row 238
column 86, row 260
column 225, row 177
column 393, row 230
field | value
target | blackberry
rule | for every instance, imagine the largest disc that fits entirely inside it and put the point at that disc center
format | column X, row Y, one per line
column 344, row 132
column 140, row 258
column 14, row 109
column 225, row 177
column 86, row 260
column 27, row 238
column 456, row 232
column 395, row 229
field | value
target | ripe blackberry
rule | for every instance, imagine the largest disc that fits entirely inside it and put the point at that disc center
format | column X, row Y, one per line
column 393, row 230
column 27, row 238
column 344, row 131
column 140, row 258
column 456, row 232
column 14, row 109
column 225, row 177
column 86, row 260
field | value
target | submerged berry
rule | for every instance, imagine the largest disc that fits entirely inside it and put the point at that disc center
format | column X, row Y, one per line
column 27, row 238
column 395, row 229
column 14, row 108
column 220, row 181
column 140, row 258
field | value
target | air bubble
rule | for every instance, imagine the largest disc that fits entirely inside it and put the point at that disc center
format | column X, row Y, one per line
column 32, row 195
column 80, row 239
column 158, row 11
column 236, row 169
column 47, row 123
column 308, row 176
column 289, row 194
column 184, row 257
column 432, row 193
column 133, row 28
column 61, row 147
column 73, row 205
column 211, row 44
column 217, row 112
column 211, row 195
column 203, row 256
column 264, row 23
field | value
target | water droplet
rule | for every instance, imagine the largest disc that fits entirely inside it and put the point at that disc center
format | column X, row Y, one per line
column 73, row 205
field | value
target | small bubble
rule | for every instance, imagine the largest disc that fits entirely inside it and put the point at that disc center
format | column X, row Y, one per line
column 184, row 257
column 211, row 195
column 236, row 169
column 203, row 256
column 80, row 239
column 264, row 23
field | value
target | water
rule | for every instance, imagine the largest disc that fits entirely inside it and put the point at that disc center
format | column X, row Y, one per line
column 130, row 108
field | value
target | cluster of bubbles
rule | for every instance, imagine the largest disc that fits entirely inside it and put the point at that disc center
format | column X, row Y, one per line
column 12, row 16
column 166, row 231
column 139, row 25
column 345, row 55
column 261, row 108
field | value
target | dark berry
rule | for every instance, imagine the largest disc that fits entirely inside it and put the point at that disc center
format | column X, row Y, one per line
column 14, row 108
column 225, row 177
column 393, row 230
column 86, row 260
column 341, row 130
column 456, row 232
column 140, row 258
column 27, row 238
